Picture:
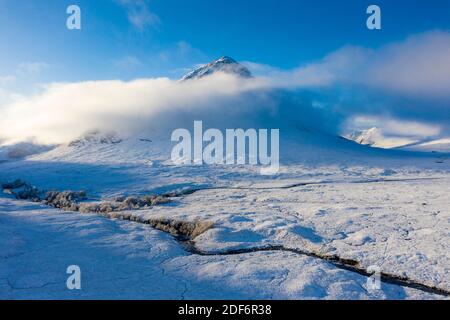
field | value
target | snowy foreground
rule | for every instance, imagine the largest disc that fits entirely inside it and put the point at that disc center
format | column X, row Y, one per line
column 120, row 259
column 373, row 208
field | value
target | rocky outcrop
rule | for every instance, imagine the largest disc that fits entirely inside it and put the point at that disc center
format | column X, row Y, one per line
column 66, row 200
column 183, row 230
column 22, row 190
column 118, row 208
column 77, row 200
column 96, row 137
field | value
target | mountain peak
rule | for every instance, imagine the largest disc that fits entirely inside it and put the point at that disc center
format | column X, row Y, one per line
column 226, row 59
column 223, row 64
column 366, row 137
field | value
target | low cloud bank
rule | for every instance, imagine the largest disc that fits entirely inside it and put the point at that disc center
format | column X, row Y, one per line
column 64, row 111
column 407, row 80
column 416, row 67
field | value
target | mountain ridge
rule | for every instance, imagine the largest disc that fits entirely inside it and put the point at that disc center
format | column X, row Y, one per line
column 223, row 64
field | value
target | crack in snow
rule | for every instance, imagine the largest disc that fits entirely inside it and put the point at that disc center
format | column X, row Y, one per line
column 341, row 263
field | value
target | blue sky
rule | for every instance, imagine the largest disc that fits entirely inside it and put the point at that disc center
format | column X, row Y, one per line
column 173, row 35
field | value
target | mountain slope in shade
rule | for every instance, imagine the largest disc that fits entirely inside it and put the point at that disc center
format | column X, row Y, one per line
column 224, row 64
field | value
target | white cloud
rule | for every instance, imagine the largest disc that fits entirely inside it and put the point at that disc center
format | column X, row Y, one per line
column 410, row 128
column 31, row 68
column 416, row 67
column 6, row 80
column 340, row 66
column 64, row 111
column 24, row 75
column 389, row 128
column 139, row 13
column 23, row 71
column 128, row 63
column 419, row 66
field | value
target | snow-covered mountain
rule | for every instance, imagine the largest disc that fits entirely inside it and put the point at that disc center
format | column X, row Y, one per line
column 224, row 64
column 375, row 137
column 366, row 137
column 95, row 137
column 331, row 199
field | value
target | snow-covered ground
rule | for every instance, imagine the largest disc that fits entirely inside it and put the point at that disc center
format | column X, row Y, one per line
column 384, row 208
column 121, row 259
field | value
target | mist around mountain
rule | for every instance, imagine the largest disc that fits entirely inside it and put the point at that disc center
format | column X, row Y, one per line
column 107, row 196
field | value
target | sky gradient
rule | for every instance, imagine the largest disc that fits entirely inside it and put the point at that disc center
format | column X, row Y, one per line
column 127, row 39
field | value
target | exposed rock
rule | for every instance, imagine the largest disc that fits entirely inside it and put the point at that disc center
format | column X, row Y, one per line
column 131, row 203
column 181, row 229
column 72, row 201
column 119, row 199
column 14, row 185
column 114, row 215
column 27, row 192
column 89, row 207
column 96, row 137
column 155, row 200
column 160, row 200
column 22, row 190
column 66, row 200
column 179, row 193
column 106, row 207
column 201, row 227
